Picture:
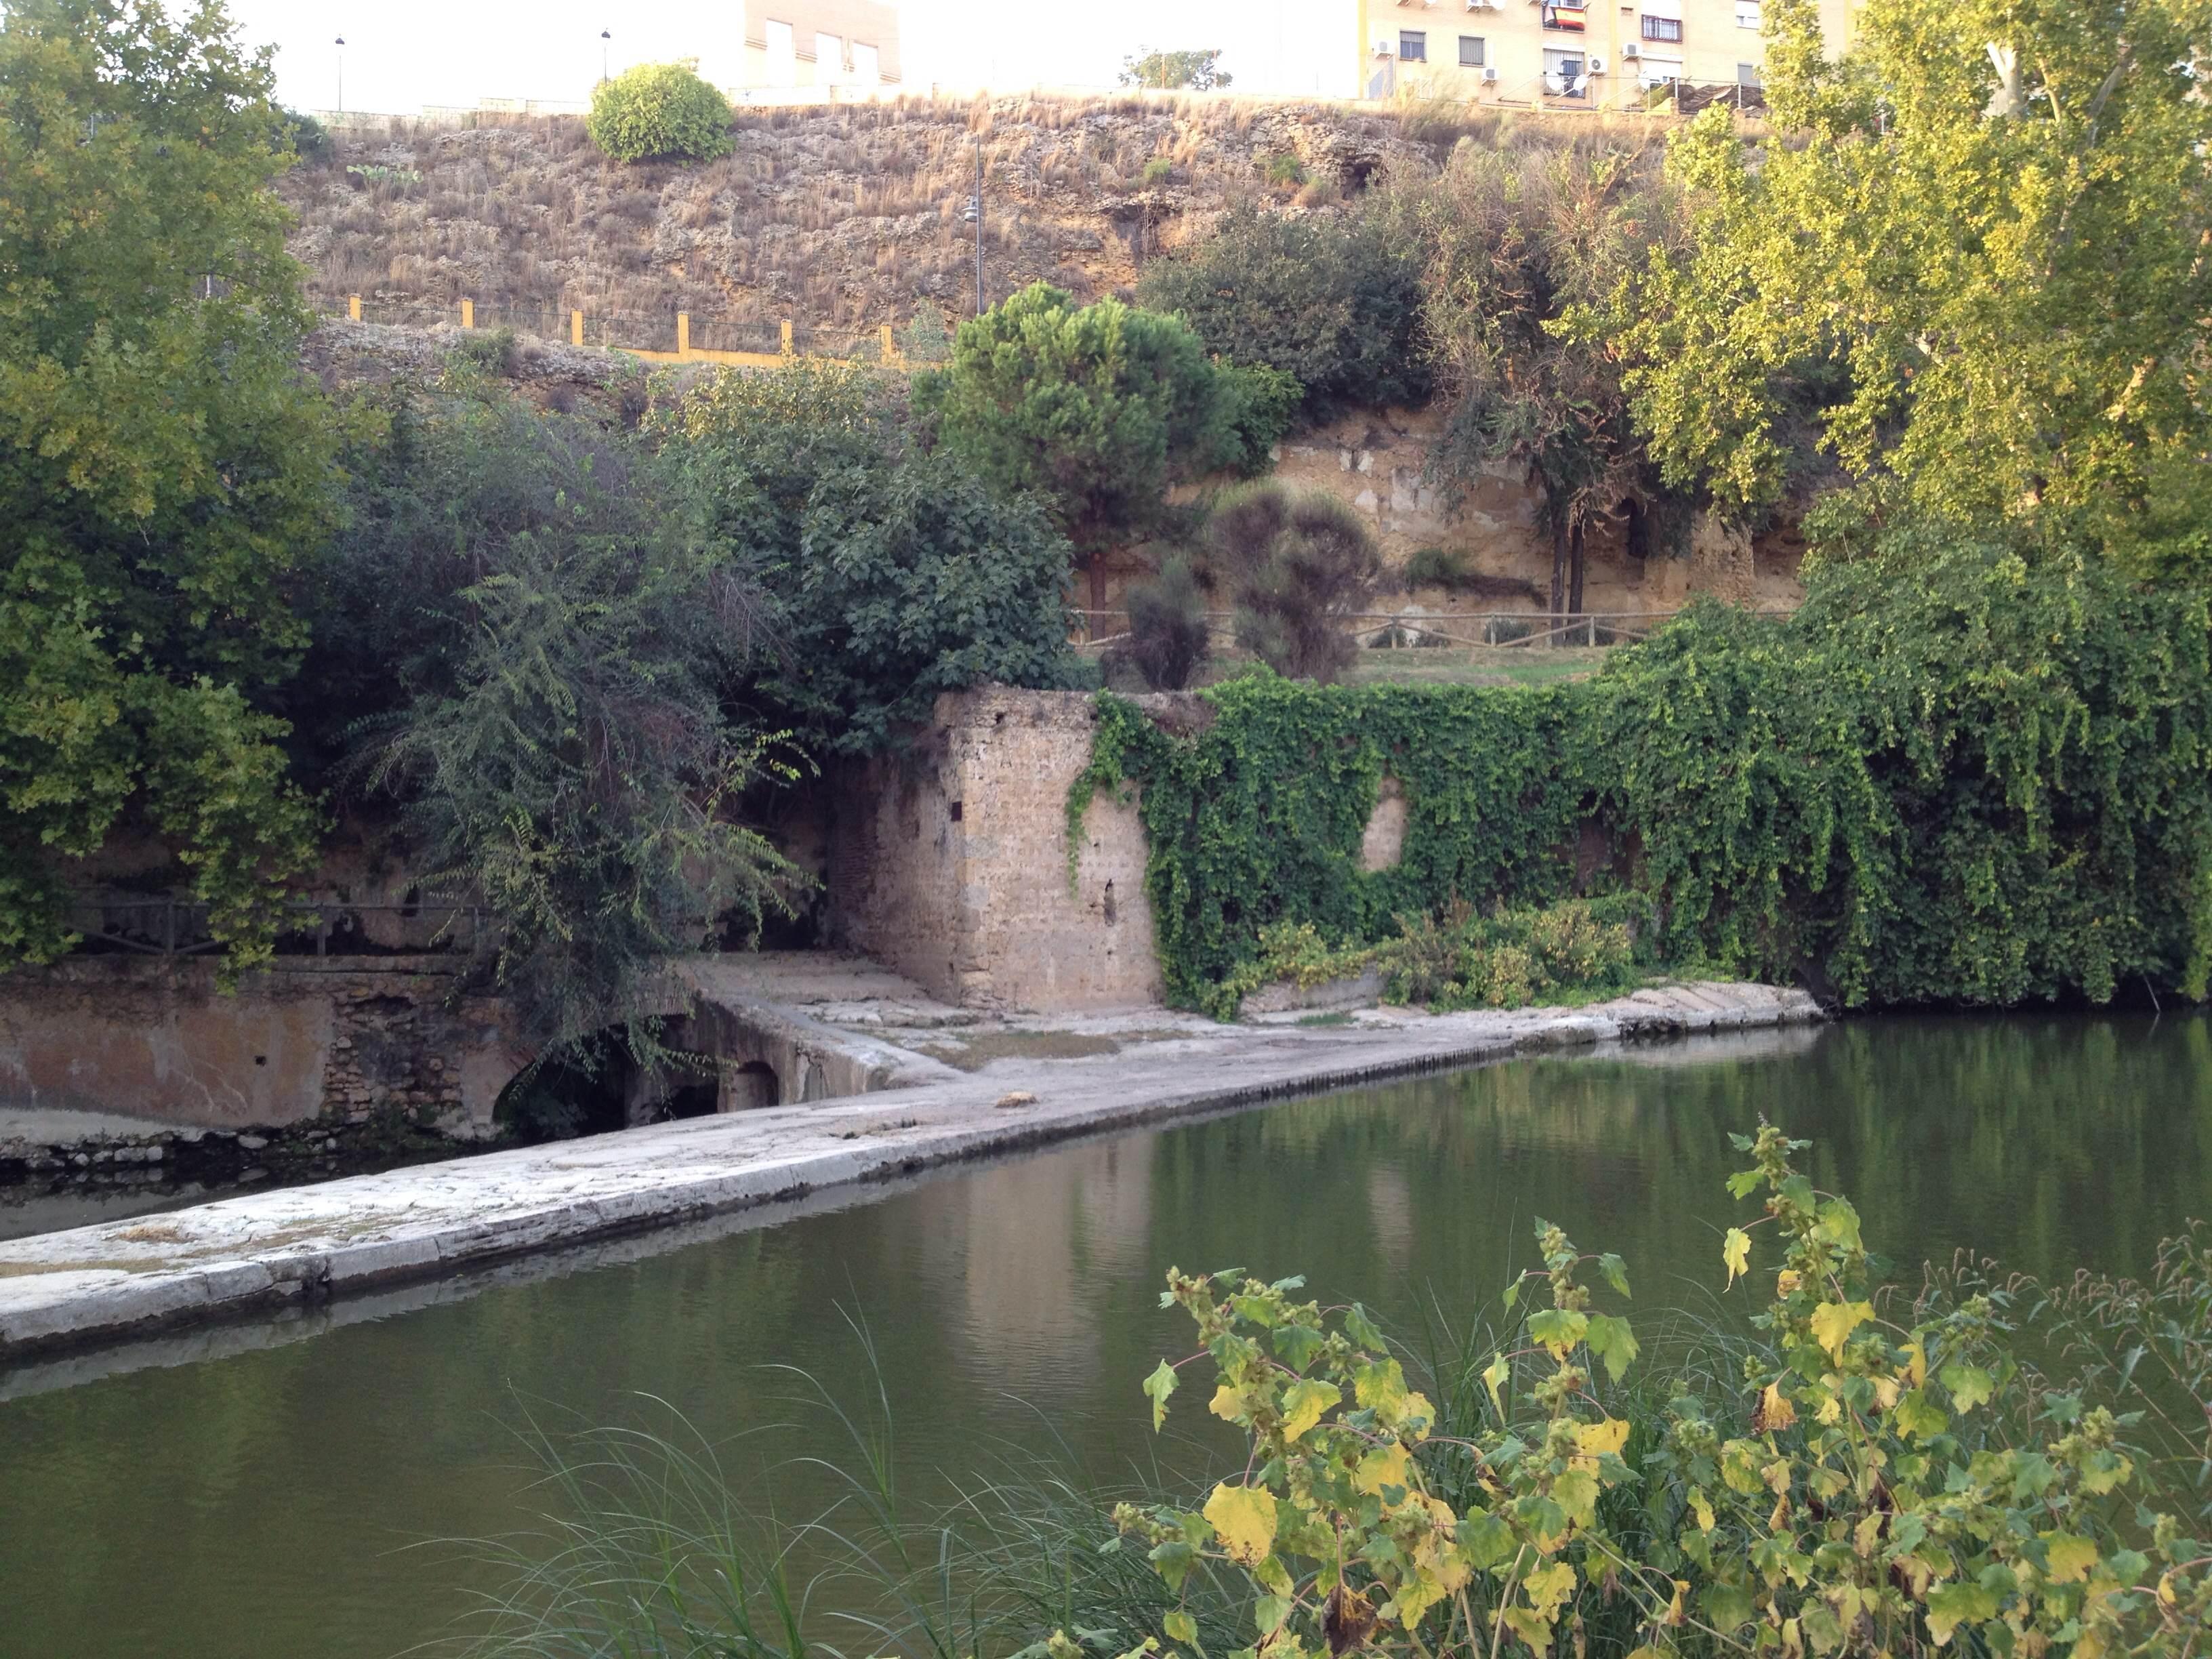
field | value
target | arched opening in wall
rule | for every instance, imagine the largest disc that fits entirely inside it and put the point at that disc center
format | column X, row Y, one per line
column 584, row 1091
column 752, row 1085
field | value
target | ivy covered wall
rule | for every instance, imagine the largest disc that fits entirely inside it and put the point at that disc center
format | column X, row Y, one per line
column 1982, row 780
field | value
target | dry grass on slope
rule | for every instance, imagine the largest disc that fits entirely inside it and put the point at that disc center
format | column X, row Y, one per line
column 840, row 218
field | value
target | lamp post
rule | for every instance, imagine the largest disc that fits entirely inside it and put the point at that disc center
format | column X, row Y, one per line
column 341, row 49
column 604, row 37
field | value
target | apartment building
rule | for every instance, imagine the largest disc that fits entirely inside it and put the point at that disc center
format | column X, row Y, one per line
column 1569, row 54
column 836, row 45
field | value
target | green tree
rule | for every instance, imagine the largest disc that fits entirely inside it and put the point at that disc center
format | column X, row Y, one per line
column 1299, row 565
column 163, row 466
column 1199, row 71
column 893, row 575
column 1334, row 301
column 1517, row 240
column 660, row 112
column 1098, row 408
column 1989, row 221
column 530, row 655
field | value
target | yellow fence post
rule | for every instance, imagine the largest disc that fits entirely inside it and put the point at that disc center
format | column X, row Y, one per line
column 683, row 334
column 353, row 306
column 575, row 328
column 890, row 351
column 787, row 336
column 468, row 314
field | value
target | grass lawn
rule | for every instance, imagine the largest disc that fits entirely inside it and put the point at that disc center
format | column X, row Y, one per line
column 1478, row 664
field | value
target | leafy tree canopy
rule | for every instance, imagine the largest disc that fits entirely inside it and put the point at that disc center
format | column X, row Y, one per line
column 1992, row 219
column 1199, row 71
column 660, row 112
column 516, row 638
column 162, row 465
column 1098, row 408
column 894, row 574
column 1516, row 239
column 1334, row 301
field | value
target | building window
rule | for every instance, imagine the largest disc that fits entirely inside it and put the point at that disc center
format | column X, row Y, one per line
column 828, row 60
column 1746, row 75
column 782, row 55
column 867, row 66
column 1563, row 17
column 1659, row 71
column 1662, row 28
column 1563, row 75
column 1746, row 14
column 1471, row 54
column 1412, row 46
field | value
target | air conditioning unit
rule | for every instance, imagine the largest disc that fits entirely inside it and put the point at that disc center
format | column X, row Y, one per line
column 1490, row 75
column 1386, row 44
column 1595, row 65
column 1630, row 50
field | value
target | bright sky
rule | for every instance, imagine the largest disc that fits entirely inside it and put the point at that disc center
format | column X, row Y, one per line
column 402, row 54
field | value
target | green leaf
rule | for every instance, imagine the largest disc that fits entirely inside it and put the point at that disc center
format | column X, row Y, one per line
column 1558, row 1328
column 1970, row 1385
column 1484, row 1540
column 1157, row 1387
column 1172, row 1561
column 1268, row 1613
column 1295, row 1345
column 1950, row 1606
column 1615, row 1271
column 1362, row 1329
column 1917, row 1415
column 1179, row 1626
column 1839, row 1225
column 1612, row 1341
column 1576, row 1492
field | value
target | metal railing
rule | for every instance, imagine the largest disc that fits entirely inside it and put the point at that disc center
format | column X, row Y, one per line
column 1384, row 631
column 169, row 926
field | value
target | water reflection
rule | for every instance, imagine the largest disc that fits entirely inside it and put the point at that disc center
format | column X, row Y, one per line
column 259, row 1499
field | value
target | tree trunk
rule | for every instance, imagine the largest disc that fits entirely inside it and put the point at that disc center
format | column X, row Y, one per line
column 1559, row 572
column 1575, row 573
column 1098, row 584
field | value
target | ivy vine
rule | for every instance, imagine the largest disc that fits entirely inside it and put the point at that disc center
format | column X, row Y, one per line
column 1987, row 780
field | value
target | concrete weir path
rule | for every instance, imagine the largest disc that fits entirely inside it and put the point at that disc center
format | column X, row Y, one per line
column 242, row 1255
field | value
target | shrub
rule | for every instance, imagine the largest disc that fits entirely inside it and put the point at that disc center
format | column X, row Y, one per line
column 309, row 139
column 1297, row 565
column 1168, row 628
column 898, row 574
column 1336, row 302
column 660, row 112
column 1900, row 1481
column 1285, row 171
column 1158, row 170
column 491, row 349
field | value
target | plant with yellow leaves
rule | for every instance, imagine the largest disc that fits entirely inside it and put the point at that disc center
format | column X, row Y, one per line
column 1896, row 1487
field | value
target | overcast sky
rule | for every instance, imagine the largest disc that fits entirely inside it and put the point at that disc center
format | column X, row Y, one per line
column 402, row 54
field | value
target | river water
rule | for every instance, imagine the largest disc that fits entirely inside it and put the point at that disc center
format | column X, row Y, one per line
column 278, row 1490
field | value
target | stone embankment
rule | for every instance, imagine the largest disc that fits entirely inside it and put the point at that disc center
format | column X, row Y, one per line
column 274, row 1248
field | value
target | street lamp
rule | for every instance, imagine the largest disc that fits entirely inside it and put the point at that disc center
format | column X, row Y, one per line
column 605, row 36
column 340, row 45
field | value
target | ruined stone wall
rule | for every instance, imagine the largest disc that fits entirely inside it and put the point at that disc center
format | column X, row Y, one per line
column 949, row 864
column 335, row 1043
column 1377, row 461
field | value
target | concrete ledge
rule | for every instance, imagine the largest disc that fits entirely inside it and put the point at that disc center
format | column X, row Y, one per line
column 300, row 1246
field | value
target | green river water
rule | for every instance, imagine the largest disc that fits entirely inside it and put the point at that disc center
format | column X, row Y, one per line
column 277, row 1490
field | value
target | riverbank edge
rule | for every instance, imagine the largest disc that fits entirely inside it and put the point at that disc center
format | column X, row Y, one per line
column 241, row 1257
